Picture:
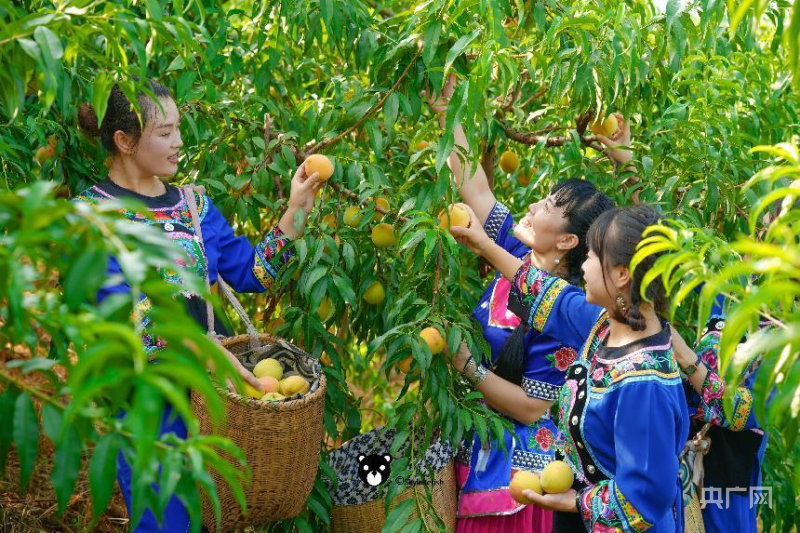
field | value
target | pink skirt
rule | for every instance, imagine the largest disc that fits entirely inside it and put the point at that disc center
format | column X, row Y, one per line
column 531, row 519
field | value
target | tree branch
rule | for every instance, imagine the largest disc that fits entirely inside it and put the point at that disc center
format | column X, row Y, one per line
column 532, row 138
column 535, row 137
column 535, row 96
column 437, row 275
column 487, row 162
column 325, row 144
column 267, row 137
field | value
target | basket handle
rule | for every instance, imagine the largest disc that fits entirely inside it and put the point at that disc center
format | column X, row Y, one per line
column 226, row 290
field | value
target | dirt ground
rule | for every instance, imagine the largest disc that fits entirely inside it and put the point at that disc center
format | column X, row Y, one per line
column 37, row 509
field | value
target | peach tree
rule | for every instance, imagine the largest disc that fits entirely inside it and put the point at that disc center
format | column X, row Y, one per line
column 262, row 85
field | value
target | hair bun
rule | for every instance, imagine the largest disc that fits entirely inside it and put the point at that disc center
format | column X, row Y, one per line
column 87, row 119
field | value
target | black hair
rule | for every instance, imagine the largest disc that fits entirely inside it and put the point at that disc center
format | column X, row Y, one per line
column 582, row 203
column 614, row 237
column 120, row 114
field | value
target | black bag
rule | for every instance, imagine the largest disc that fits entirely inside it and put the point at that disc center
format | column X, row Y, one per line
column 731, row 457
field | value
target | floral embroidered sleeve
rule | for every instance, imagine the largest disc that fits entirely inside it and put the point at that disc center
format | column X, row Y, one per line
column 246, row 268
column 553, row 306
column 710, row 407
column 639, row 494
column 604, row 508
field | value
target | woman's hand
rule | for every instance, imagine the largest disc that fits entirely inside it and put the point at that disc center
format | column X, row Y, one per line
column 301, row 198
column 246, row 375
column 563, row 502
column 439, row 103
column 618, row 145
column 474, row 236
column 460, row 358
column 304, row 190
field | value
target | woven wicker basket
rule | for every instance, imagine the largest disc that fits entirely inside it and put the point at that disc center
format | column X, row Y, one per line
column 281, row 440
column 358, row 507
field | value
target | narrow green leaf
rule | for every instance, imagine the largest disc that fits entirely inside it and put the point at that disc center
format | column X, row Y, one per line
column 66, row 465
column 103, row 474
column 26, row 437
column 459, row 47
column 7, row 402
column 398, row 516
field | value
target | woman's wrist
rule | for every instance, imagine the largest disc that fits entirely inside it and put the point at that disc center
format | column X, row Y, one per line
column 474, row 372
column 287, row 225
column 620, row 158
column 686, row 358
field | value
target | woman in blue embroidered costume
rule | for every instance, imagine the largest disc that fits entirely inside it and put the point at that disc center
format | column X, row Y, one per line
column 140, row 155
column 737, row 443
column 626, row 463
column 622, row 410
column 528, row 366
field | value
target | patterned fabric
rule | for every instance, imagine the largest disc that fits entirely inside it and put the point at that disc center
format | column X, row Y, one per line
column 244, row 267
column 531, row 461
column 177, row 214
column 653, row 363
column 624, row 421
column 538, row 291
column 604, row 508
column 545, row 439
column 540, row 389
column 563, row 358
column 351, row 490
column 709, row 405
column 273, row 245
column 494, row 222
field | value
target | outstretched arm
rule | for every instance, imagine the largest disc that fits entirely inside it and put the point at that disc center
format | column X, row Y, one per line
column 472, row 183
column 619, row 152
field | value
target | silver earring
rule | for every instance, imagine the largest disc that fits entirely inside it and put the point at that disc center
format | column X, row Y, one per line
column 558, row 261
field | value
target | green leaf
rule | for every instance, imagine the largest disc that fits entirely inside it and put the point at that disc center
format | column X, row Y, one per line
column 154, row 9
column 30, row 365
column 319, row 510
column 7, row 402
column 101, row 90
column 459, row 47
column 52, row 419
column 83, row 276
column 415, row 526
column 737, row 10
column 312, row 279
column 103, row 474
column 66, row 465
column 390, row 109
column 432, row 32
column 176, row 64
column 26, row 437
column 398, row 516
column 399, row 441
column 672, row 10
column 49, row 43
column 303, row 525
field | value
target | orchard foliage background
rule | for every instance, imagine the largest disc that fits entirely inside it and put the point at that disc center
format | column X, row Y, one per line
column 262, row 84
